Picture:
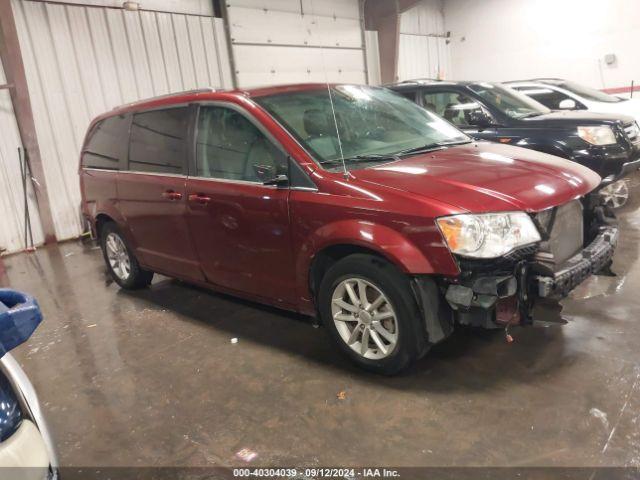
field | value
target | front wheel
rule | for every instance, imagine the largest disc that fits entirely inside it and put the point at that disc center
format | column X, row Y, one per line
column 615, row 195
column 122, row 264
column 367, row 306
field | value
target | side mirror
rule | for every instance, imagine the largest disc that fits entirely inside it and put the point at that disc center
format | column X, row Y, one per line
column 567, row 104
column 479, row 118
column 280, row 181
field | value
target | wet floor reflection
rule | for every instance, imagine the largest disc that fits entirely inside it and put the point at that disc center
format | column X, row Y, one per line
column 152, row 378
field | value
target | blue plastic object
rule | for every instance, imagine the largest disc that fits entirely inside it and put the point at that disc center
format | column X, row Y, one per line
column 19, row 316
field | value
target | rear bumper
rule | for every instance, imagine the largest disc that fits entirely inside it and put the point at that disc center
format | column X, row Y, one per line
column 596, row 256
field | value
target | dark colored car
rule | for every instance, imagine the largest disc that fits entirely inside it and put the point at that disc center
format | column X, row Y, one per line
column 344, row 202
column 609, row 144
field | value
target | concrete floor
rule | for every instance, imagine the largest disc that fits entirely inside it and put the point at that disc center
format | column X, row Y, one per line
column 151, row 378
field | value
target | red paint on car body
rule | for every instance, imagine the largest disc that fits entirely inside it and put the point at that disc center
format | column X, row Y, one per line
column 259, row 241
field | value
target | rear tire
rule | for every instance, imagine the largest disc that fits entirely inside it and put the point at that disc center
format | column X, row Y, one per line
column 369, row 310
column 120, row 260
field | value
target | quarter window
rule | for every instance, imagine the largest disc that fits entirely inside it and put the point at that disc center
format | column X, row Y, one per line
column 453, row 106
column 158, row 141
column 546, row 96
column 230, row 147
column 104, row 147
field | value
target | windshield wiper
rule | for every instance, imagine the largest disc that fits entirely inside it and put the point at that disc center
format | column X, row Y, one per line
column 429, row 147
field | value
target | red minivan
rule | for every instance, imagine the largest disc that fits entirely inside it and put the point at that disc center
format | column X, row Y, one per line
column 344, row 202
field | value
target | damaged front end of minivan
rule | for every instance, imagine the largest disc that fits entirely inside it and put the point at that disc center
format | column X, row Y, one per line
column 577, row 240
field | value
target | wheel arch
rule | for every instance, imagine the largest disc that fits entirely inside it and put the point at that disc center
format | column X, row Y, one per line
column 553, row 148
column 338, row 240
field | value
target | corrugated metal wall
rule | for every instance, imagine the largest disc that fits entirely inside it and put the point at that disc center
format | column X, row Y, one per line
column 421, row 54
column 11, row 192
column 289, row 41
column 81, row 61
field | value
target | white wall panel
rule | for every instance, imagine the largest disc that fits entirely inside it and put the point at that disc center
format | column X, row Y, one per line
column 546, row 38
column 373, row 57
column 251, row 25
column 423, row 50
column 11, row 193
column 326, row 8
column 270, row 65
column 81, row 61
column 289, row 41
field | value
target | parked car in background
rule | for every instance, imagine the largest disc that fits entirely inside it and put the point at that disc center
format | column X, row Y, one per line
column 344, row 202
column 26, row 447
column 558, row 94
column 608, row 144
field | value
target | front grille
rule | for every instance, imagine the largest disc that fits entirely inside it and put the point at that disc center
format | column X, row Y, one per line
column 567, row 232
column 632, row 132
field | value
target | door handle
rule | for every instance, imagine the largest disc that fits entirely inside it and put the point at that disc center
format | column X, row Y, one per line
column 199, row 198
column 172, row 195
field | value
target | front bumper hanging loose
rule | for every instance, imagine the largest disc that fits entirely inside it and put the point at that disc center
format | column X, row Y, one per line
column 594, row 258
column 491, row 301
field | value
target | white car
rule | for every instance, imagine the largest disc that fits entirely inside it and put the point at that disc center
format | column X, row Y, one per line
column 26, row 448
column 558, row 94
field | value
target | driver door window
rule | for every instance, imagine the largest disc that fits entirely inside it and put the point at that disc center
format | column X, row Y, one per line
column 452, row 106
column 230, row 147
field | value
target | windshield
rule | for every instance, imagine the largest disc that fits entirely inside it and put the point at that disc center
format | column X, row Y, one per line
column 508, row 100
column 371, row 124
column 590, row 93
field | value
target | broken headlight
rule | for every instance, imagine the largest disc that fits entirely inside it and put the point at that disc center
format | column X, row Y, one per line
column 487, row 235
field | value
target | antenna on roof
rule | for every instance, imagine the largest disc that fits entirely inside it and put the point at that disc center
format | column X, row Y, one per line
column 333, row 110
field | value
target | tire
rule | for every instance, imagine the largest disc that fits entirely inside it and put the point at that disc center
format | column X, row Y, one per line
column 132, row 278
column 398, row 315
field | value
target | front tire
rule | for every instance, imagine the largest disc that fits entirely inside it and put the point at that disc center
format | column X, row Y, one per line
column 367, row 306
column 121, row 262
column 615, row 195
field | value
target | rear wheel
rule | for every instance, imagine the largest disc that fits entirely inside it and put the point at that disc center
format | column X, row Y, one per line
column 368, row 309
column 122, row 264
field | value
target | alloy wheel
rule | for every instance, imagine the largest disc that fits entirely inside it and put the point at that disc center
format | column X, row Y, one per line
column 118, row 256
column 364, row 318
column 615, row 195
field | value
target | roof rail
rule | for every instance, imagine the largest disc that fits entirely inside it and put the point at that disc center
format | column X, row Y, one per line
column 540, row 79
column 416, row 80
column 168, row 95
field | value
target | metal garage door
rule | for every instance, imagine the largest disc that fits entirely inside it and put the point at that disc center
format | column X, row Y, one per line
column 83, row 60
column 290, row 41
column 11, row 192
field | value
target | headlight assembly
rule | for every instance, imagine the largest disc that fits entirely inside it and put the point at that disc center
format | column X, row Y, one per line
column 600, row 135
column 487, row 235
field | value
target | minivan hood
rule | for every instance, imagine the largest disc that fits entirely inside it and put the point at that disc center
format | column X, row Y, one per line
column 486, row 177
column 571, row 118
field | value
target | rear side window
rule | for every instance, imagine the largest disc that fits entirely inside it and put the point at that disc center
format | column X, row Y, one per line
column 159, row 141
column 104, row 147
column 546, row 96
